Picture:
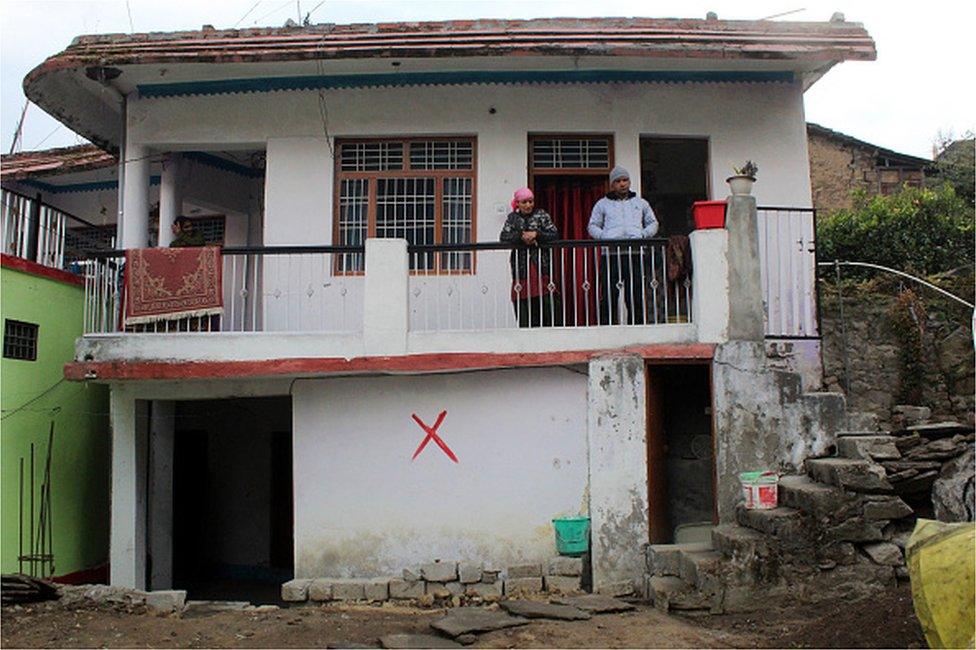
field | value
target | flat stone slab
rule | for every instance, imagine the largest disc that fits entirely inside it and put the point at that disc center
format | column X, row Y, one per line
column 938, row 429
column 596, row 604
column 533, row 609
column 207, row 607
column 468, row 620
column 410, row 641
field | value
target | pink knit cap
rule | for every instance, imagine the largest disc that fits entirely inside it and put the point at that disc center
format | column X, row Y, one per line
column 521, row 195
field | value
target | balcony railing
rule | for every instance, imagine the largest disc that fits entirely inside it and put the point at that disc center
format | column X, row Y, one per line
column 456, row 287
column 38, row 232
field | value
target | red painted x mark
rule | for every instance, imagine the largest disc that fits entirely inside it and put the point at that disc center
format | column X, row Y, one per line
column 432, row 435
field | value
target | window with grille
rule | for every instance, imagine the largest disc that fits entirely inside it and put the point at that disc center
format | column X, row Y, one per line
column 418, row 189
column 19, row 340
column 570, row 152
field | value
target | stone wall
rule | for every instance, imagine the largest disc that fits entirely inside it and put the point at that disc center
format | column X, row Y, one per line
column 874, row 356
column 838, row 168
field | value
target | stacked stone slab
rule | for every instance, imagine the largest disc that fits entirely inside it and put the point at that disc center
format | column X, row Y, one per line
column 449, row 583
column 840, row 530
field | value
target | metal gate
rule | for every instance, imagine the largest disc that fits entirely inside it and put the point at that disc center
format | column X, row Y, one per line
column 787, row 254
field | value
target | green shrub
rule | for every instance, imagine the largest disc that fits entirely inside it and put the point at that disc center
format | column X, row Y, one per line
column 920, row 231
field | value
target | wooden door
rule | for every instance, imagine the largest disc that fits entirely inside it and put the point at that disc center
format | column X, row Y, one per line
column 657, row 461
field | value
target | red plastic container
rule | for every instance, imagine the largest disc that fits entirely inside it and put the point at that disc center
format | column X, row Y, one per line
column 708, row 214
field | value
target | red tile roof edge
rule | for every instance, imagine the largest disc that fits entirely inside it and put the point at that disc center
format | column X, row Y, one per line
column 46, row 162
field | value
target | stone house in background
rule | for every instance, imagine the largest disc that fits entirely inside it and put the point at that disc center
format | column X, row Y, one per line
column 841, row 164
column 363, row 173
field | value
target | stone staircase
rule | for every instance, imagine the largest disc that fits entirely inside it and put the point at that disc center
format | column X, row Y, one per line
column 839, row 531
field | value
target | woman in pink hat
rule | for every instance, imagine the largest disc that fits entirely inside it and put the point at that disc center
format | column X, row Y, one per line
column 534, row 297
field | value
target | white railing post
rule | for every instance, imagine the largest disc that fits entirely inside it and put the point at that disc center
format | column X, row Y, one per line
column 710, row 284
column 385, row 306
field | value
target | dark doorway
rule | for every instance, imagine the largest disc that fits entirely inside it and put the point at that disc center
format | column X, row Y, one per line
column 680, row 456
column 232, row 499
column 674, row 174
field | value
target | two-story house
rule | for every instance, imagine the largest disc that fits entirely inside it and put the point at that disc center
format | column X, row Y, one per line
column 366, row 400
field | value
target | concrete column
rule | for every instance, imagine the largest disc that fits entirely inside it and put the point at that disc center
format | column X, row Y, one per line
column 745, row 286
column 170, row 197
column 617, row 441
column 385, row 306
column 127, row 545
column 135, row 207
column 161, row 443
column 710, row 284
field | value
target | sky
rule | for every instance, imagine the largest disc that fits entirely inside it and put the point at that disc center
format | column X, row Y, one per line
column 919, row 88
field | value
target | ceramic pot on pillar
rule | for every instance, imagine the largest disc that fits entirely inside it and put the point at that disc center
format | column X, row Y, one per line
column 740, row 185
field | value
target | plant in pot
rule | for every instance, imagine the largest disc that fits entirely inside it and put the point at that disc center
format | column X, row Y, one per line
column 743, row 178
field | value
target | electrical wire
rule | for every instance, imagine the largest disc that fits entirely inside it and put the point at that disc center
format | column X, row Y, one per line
column 247, row 13
column 33, row 399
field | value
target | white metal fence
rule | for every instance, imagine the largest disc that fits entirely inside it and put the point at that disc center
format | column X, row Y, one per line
column 43, row 234
column 562, row 284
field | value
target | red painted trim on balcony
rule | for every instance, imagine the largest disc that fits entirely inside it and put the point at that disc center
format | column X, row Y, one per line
column 33, row 268
column 407, row 364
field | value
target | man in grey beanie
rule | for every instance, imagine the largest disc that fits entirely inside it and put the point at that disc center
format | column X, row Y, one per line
column 621, row 214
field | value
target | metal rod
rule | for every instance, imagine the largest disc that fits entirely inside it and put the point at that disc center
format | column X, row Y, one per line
column 31, row 545
column 837, row 263
column 843, row 331
column 20, row 521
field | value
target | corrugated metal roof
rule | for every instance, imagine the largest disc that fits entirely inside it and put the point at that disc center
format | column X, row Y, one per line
column 27, row 164
column 677, row 38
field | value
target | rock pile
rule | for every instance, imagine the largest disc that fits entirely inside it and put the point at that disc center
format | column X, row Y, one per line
column 445, row 583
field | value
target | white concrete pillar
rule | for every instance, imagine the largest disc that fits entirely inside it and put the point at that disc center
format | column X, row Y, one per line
column 746, row 313
column 161, row 444
column 617, row 440
column 710, row 284
column 135, row 207
column 127, row 542
column 385, row 299
column 170, row 197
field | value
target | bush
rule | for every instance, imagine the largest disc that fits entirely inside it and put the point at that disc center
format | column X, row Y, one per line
column 919, row 231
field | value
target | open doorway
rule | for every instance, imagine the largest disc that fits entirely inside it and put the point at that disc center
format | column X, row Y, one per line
column 680, row 453
column 674, row 174
column 232, row 499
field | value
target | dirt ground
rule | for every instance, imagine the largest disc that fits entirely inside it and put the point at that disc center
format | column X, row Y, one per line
column 888, row 621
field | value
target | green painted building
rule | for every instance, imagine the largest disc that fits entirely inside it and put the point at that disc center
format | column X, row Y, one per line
column 41, row 309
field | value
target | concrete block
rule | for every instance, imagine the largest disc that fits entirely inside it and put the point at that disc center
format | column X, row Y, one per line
column 818, row 499
column 616, row 589
column 886, row 508
column 439, row 571
column 565, row 566
column 885, row 554
column 469, row 573
column 320, row 589
column 700, row 569
column 377, row 589
column 855, row 475
column 295, row 591
column 734, row 540
column 487, row 590
column 868, row 447
column 410, row 575
column 166, row 601
column 563, row 584
column 664, row 559
column 406, row 589
column 525, row 571
column 785, row 523
column 490, row 576
column 455, row 588
column 349, row 589
column 669, row 592
column 514, row 586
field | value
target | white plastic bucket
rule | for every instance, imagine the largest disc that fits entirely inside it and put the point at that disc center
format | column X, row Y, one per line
column 760, row 489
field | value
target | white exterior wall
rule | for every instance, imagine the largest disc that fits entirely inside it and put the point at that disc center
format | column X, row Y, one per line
column 762, row 122
column 364, row 508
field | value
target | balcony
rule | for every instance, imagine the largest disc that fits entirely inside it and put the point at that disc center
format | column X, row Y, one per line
column 389, row 299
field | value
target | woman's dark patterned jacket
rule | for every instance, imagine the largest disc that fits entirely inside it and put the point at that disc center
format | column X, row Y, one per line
column 515, row 225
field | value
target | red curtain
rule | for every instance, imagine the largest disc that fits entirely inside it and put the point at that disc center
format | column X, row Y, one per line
column 569, row 200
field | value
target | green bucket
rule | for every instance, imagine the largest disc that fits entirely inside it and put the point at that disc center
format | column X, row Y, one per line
column 572, row 535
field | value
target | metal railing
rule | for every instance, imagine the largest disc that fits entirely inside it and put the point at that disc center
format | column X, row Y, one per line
column 584, row 283
column 43, row 234
column 275, row 289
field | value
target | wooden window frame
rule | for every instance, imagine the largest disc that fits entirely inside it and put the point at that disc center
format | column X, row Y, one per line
column 570, row 171
column 439, row 176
